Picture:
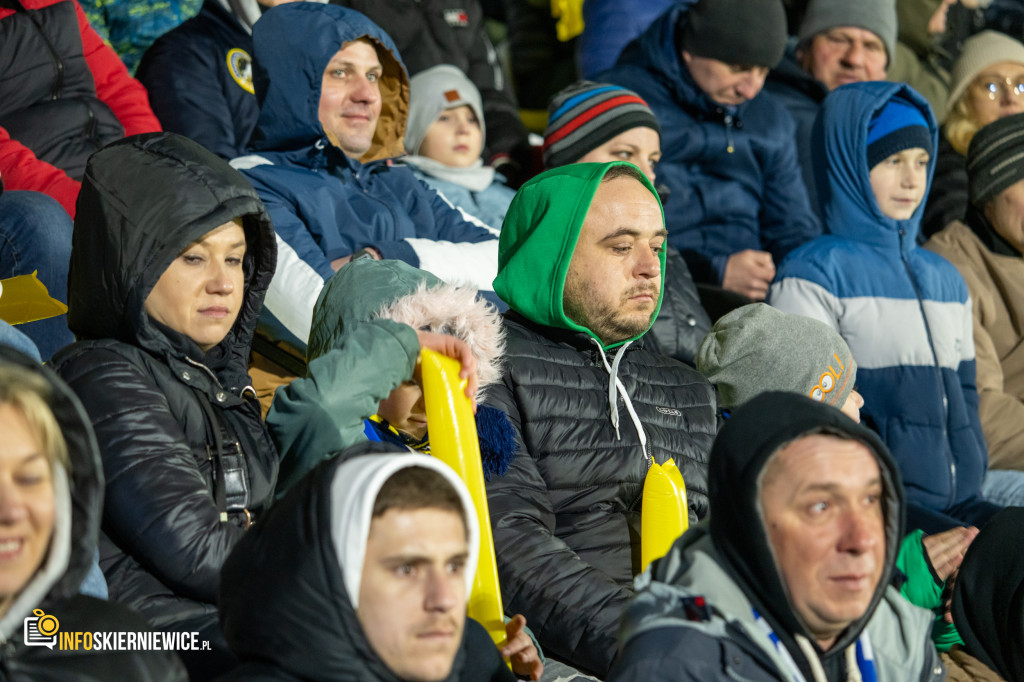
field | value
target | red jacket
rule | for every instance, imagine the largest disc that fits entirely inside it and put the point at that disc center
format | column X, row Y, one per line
column 20, row 168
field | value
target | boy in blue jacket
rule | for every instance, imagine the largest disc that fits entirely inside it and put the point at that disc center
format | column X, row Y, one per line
column 904, row 312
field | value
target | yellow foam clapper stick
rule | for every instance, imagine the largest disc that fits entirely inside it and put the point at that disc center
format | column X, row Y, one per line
column 453, row 440
column 25, row 299
column 677, row 477
column 663, row 518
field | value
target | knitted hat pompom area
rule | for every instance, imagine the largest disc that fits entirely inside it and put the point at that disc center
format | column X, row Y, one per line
column 585, row 115
column 898, row 126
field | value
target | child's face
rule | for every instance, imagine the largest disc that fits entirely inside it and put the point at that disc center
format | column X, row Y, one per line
column 454, row 139
column 899, row 182
column 404, row 409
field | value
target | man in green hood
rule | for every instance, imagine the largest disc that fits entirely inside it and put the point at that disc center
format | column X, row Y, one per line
column 581, row 264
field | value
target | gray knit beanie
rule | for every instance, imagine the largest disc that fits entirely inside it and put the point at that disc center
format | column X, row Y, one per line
column 877, row 16
column 433, row 91
column 758, row 348
column 743, row 32
column 995, row 159
column 979, row 52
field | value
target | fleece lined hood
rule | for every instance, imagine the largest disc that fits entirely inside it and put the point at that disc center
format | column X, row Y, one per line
column 743, row 447
column 365, row 290
column 538, row 239
column 292, row 45
column 840, row 143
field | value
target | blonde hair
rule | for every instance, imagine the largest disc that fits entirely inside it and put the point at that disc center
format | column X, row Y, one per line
column 960, row 127
column 29, row 393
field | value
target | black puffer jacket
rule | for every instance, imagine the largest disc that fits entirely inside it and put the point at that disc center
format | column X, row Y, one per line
column 682, row 322
column 947, row 199
column 566, row 516
column 54, row 588
column 161, row 409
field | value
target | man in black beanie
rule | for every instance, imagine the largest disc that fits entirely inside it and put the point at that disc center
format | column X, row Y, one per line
column 739, row 204
column 790, row 578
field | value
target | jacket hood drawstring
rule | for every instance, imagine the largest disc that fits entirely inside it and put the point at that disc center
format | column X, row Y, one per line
column 614, row 387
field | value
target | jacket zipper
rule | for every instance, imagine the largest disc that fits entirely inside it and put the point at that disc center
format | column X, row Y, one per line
column 938, row 369
column 57, row 61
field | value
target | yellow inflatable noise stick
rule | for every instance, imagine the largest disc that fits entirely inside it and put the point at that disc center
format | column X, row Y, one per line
column 454, row 441
column 664, row 517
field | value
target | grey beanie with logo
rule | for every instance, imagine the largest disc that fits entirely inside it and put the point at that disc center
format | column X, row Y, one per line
column 757, row 348
column 877, row 16
column 435, row 90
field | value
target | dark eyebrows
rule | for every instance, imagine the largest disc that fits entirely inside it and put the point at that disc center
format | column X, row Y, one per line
column 834, row 487
column 632, row 232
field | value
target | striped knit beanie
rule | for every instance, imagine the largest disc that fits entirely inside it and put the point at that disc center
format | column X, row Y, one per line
column 585, row 115
column 995, row 159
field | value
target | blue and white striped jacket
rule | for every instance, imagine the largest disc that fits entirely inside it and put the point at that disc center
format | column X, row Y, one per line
column 904, row 311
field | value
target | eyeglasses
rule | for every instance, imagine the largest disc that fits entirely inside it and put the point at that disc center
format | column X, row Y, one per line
column 996, row 88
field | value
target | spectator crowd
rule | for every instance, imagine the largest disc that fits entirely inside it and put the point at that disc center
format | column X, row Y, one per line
column 773, row 246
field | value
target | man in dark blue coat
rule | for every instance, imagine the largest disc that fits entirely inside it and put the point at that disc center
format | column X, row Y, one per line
column 334, row 97
column 738, row 203
column 838, row 42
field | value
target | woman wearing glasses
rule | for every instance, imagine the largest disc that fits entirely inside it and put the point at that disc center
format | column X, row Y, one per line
column 987, row 84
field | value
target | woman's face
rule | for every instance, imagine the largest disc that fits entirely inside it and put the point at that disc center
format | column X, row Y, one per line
column 27, row 506
column 201, row 291
column 996, row 92
column 640, row 146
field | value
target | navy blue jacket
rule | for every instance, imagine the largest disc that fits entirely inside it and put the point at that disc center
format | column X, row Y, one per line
column 802, row 95
column 199, row 78
column 325, row 205
column 904, row 311
column 733, row 172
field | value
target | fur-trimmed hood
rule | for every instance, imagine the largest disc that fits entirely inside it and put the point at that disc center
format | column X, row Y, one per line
column 365, row 290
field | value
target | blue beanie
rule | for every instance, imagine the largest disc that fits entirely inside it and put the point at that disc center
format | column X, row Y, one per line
column 897, row 126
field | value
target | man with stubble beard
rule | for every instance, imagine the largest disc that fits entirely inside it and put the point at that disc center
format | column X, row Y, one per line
column 581, row 265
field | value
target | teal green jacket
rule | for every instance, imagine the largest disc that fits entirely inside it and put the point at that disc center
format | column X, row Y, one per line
column 355, row 361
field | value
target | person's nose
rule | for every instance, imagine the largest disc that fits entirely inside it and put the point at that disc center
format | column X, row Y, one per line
column 364, row 91
column 220, row 280
column 910, row 177
column 440, row 591
column 853, row 57
column 648, row 265
column 752, row 83
column 647, row 168
column 861, row 530
column 12, row 503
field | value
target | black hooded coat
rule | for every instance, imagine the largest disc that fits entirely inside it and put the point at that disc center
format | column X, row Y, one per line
column 57, row 594
column 988, row 601
column 292, row 619
column 166, row 415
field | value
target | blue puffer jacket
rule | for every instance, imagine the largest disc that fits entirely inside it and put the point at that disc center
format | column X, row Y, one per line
column 904, row 311
column 325, row 205
column 733, row 172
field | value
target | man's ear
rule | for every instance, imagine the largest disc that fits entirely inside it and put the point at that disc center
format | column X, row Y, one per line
column 687, row 57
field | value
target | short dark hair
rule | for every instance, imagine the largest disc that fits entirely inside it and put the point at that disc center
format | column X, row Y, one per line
column 417, row 487
column 624, row 171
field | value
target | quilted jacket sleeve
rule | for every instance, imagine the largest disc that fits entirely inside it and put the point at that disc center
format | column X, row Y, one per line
column 572, row 607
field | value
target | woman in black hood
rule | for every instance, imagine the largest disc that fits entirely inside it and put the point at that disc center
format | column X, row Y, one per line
column 171, row 257
column 51, row 492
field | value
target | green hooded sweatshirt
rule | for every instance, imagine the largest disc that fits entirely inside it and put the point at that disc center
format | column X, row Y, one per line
column 538, row 239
